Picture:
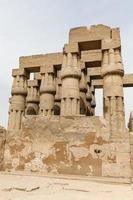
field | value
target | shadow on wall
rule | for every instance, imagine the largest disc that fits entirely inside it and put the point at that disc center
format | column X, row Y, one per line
column 31, row 111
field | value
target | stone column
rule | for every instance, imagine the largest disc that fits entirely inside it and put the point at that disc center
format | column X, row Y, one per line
column 112, row 72
column 47, row 91
column 130, row 124
column 89, row 99
column 70, row 75
column 57, row 106
column 32, row 98
column 93, row 100
column 90, row 96
column 18, row 99
column 83, row 90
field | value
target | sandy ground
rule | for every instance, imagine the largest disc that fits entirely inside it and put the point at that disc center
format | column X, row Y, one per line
column 16, row 187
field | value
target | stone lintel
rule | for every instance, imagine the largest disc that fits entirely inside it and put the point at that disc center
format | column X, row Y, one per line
column 97, row 83
column 127, row 81
column 33, row 83
column 111, row 44
column 46, row 69
column 33, row 63
column 91, row 55
column 19, row 72
column 71, row 48
column 94, row 71
column 37, row 76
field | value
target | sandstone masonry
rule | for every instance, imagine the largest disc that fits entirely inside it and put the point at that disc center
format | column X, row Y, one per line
column 52, row 125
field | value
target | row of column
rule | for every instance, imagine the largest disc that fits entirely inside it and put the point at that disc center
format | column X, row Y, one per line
column 78, row 95
column 76, row 89
column 28, row 98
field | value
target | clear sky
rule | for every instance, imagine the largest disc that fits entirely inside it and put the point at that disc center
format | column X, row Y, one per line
column 41, row 26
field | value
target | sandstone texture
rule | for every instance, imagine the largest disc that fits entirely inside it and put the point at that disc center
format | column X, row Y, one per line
column 16, row 187
column 52, row 126
column 67, row 145
column 2, row 145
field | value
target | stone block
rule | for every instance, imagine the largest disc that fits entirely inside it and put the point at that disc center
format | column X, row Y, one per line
column 34, row 62
column 116, row 170
column 115, row 33
column 19, row 72
column 111, row 44
column 37, row 76
column 94, row 32
column 71, row 48
column 33, row 83
column 47, row 69
column 91, row 55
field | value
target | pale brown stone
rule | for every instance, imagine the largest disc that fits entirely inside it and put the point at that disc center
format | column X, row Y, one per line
column 2, row 146
column 52, row 125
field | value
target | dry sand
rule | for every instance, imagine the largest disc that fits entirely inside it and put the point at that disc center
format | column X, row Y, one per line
column 16, row 187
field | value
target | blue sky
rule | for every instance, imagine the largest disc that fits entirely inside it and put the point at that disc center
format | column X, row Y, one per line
column 40, row 26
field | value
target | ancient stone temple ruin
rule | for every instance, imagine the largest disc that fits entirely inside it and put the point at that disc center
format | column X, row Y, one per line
column 52, row 126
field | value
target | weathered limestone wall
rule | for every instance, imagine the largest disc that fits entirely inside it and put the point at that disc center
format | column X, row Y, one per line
column 64, row 84
column 36, row 61
column 131, row 146
column 2, row 145
column 131, row 138
column 67, row 145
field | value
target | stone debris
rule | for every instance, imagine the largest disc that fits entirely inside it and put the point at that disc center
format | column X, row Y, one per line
column 20, row 189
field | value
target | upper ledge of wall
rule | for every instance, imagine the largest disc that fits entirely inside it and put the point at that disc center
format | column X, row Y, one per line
column 35, row 61
column 94, row 32
column 98, row 26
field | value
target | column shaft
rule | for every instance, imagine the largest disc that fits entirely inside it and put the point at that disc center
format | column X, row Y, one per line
column 70, row 75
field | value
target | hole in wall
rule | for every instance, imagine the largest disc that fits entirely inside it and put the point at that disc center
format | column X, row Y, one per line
column 82, row 107
column 31, row 76
column 31, row 111
column 90, row 45
column 97, row 151
column 56, row 110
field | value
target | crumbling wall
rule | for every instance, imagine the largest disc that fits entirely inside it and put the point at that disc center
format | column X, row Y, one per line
column 2, row 145
column 131, row 146
column 67, row 145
